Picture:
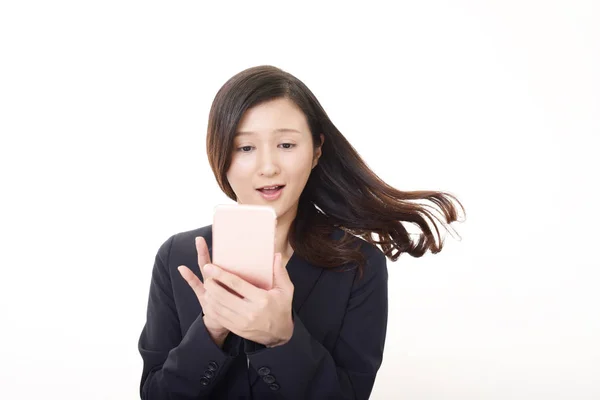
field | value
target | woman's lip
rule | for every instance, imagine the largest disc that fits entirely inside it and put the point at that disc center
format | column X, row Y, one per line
column 280, row 186
column 271, row 196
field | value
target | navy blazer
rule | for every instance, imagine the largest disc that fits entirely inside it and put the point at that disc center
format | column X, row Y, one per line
column 336, row 349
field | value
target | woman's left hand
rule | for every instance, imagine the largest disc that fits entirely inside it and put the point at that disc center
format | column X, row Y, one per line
column 263, row 316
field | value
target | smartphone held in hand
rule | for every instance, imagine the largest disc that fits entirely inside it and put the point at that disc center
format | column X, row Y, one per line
column 243, row 241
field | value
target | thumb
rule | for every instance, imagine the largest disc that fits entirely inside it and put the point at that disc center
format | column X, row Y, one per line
column 281, row 278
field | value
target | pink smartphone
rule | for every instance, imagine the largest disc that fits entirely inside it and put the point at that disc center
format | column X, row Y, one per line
column 243, row 241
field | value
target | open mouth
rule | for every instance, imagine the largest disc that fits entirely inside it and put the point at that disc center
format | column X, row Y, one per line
column 271, row 189
column 271, row 192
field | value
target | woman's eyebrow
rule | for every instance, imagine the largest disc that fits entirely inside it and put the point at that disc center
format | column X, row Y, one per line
column 280, row 130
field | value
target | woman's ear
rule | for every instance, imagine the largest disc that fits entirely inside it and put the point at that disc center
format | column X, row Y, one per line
column 318, row 152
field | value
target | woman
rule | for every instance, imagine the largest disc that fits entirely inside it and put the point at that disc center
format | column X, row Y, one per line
column 320, row 332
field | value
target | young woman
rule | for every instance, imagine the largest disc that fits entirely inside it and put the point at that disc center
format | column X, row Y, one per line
column 320, row 332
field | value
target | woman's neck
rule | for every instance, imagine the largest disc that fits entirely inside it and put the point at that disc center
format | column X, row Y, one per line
column 282, row 230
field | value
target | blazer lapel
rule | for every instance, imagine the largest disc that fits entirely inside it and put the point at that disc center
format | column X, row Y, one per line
column 304, row 276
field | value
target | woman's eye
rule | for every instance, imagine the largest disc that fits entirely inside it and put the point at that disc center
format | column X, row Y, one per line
column 247, row 149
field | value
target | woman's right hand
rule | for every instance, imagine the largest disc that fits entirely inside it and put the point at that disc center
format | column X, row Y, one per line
column 217, row 331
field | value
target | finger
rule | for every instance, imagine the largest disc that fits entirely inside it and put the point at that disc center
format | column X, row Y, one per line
column 203, row 254
column 219, row 316
column 233, row 282
column 226, row 288
column 192, row 280
column 277, row 264
column 214, row 308
column 224, row 298
column 226, row 317
column 281, row 278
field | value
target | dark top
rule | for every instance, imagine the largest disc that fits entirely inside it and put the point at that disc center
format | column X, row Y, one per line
column 335, row 351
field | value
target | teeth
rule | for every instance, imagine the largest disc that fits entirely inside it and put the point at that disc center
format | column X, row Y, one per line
column 272, row 187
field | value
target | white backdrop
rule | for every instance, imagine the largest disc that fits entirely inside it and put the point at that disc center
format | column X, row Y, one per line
column 103, row 113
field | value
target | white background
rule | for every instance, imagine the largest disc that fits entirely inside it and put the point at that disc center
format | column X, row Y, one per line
column 103, row 113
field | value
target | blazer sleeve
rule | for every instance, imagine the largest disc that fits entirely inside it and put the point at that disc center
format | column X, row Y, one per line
column 175, row 366
column 303, row 368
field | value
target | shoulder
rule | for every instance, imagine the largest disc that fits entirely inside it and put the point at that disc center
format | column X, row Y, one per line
column 375, row 273
column 375, row 267
column 181, row 245
column 185, row 238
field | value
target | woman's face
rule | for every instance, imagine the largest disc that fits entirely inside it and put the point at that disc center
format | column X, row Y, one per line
column 273, row 146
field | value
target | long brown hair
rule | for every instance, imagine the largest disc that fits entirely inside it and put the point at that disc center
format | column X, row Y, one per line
column 341, row 191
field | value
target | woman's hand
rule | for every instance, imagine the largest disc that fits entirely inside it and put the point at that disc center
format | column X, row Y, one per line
column 217, row 331
column 263, row 316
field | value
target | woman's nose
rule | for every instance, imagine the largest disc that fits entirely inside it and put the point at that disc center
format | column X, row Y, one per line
column 267, row 164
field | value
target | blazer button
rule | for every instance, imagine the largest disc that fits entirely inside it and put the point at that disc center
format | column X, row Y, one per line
column 212, row 366
column 204, row 381
column 209, row 374
column 269, row 379
column 264, row 371
column 274, row 386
